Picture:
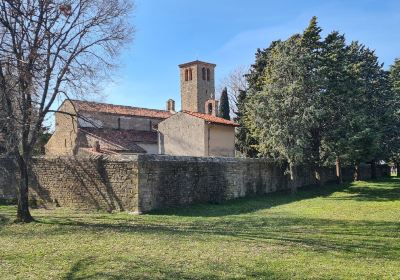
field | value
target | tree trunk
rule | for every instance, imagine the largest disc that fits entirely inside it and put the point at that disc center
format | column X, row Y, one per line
column 373, row 169
column 23, row 214
column 293, row 177
column 357, row 172
column 318, row 178
column 339, row 175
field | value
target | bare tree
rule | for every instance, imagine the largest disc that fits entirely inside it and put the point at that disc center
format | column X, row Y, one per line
column 52, row 49
column 235, row 82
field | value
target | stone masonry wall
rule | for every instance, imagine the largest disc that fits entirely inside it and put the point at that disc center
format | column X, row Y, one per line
column 146, row 182
column 168, row 181
column 7, row 179
column 83, row 183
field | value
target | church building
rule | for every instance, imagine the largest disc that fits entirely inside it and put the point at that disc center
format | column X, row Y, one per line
column 84, row 127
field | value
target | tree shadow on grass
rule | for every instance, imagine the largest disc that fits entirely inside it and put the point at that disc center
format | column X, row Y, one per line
column 385, row 189
column 362, row 238
column 380, row 239
column 251, row 204
column 92, row 268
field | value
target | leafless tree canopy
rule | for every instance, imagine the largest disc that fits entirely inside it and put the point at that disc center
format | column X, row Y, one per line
column 51, row 49
column 235, row 82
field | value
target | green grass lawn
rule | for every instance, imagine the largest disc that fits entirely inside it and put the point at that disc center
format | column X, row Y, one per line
column 351, row 232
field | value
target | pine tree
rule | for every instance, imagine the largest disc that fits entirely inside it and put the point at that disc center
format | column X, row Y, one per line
column 224, row 105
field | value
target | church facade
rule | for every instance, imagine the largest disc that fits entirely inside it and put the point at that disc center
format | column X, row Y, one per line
column 84, row 127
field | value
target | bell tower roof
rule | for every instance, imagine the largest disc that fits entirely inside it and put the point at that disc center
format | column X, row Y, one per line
column 195, row 62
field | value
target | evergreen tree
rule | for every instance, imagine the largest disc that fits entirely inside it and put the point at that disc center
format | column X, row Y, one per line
column 278, row 116
column 335, row 101
column 367, row 104
column 393, row 131
column 284, row 117
column 245, row 144
column 224, row 105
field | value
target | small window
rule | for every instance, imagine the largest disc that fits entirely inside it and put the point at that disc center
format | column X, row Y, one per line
column 190, row 74
column 210, row 109
column 208, row 74
column 65, row 143
column 119, row 123
column 186, row 75
column 203, row 72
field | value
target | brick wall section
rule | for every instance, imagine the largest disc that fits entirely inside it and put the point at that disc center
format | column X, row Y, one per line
column 146, row 182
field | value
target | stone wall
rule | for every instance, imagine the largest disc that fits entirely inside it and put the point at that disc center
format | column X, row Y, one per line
column 146, row 182
column 7, row 179
column 108, row 183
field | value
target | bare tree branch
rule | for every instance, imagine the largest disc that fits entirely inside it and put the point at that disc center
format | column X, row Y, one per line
column 50, row 49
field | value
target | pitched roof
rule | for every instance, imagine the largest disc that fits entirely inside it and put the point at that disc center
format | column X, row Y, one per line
column 119, row 109
column 122, row 140
column 211, row 118
column 196, row 62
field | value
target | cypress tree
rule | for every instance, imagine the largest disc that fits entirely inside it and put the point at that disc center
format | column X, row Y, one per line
column 224, row 105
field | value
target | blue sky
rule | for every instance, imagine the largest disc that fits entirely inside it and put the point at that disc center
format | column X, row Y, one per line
column 228, row 32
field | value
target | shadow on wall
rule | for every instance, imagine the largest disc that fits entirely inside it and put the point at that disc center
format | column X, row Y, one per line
column 82, row 183
column 252, row 204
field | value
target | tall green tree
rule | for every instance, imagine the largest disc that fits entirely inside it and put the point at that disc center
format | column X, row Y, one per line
column 335, row 100
column 278, row 116
column 368, row 100
column 224, row 105
column 245, row 144
column 393, row 132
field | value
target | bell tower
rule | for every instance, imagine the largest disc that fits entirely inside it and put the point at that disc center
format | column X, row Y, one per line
column 197, row 85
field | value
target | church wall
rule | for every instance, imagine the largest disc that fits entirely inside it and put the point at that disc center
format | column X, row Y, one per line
column 63, row 140
column 182, row 135
column 151, row 149
column 221, row 141
column 126, row 122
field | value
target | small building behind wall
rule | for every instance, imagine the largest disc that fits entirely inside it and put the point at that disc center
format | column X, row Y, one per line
column 196, row 134
column 89, row 127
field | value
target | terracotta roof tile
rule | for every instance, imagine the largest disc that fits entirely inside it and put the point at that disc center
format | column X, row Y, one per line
column 123, row 140
column 211, row 118
column 120, row 109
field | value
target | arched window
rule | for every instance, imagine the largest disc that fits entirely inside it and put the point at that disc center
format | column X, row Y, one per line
column 210, row 108
column 203, row 72
column 190, row 74
column 208, row 74
column 186, row 75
